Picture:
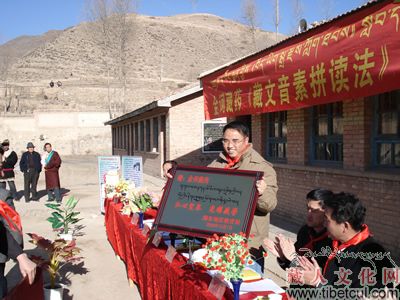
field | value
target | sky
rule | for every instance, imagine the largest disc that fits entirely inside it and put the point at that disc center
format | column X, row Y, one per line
column 35, row 17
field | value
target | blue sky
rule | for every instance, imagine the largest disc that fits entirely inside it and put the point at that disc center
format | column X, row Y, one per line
column 34, row 17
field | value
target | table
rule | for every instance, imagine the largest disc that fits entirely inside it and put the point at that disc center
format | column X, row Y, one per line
column 147, row 266
column 23, row 290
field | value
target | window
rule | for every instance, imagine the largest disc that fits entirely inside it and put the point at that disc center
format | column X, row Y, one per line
column 119, row 137
column 327, row 134
column 126, row 137
column 386, row 138
column 276, row 136
column 148, row 136
column 141, row 136
column 114, row 137
column 155, row 134
column 136, row 136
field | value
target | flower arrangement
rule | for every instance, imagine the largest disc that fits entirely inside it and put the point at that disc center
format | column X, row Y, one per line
column 119, row 189
column 138, row 199
column 228, row 254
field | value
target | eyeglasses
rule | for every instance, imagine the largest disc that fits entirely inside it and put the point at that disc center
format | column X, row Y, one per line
column 233, row 142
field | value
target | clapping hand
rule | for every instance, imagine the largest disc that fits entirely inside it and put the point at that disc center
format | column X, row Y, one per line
column 287, row 247
column 310, row 270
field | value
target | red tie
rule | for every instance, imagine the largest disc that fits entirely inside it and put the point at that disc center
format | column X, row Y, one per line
column 231, row 162
column 358, row 238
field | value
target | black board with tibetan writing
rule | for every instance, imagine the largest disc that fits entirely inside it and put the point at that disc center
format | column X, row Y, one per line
column 201, row 201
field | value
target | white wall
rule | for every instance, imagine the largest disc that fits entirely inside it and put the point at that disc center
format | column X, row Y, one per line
column 70, row 133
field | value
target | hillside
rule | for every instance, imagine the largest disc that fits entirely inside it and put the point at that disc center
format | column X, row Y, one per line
column 164, row 54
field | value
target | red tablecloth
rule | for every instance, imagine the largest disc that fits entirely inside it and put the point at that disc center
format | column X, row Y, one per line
column 147, row 266
column 24, row 290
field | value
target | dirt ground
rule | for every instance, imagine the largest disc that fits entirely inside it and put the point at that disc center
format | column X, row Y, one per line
column 100, row 275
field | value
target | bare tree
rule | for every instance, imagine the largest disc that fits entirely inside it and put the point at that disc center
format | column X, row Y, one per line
column 194, row 5
column 111, row 31
column 276, row 17
column 327, row 8
column 123, row 33
column 297, row 14
column 5, row 64
column 249, row 10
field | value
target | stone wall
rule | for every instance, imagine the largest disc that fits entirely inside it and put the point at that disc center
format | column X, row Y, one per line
column 70, row 133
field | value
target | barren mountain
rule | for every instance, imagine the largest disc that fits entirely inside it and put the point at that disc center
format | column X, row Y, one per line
column 164, row 54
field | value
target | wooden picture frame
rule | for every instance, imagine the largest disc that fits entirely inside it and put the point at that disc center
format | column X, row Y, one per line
column 202, row 201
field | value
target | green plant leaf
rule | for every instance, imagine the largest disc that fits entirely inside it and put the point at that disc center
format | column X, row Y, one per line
column 55, row 206
column 51, row 220
column 69, row 201
column 73, row 214
column 57, row 215
column 76, row 221
column 57, row 224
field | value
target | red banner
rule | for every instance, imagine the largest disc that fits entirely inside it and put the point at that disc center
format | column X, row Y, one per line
column 355, row 56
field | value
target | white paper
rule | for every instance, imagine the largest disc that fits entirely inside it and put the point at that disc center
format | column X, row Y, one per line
column 259, row 286
column 255, row 286
column 149, row 222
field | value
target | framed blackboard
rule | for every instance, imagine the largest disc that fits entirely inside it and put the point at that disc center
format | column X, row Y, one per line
column 212, row 136
column 201, row 201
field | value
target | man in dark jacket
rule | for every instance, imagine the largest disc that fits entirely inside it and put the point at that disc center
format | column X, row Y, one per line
column 357, row 259
column 312, row 238
column 31, row 166
column 10, row 159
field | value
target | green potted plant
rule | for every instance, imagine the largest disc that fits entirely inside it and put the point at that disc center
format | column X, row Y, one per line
column 143, row 201
column 64, row 216
column 59, row 254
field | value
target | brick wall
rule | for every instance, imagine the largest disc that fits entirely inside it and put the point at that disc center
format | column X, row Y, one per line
column 357, row 117
column 257, row 125
column 184, row 133
column 378, row 191
column 297, row 134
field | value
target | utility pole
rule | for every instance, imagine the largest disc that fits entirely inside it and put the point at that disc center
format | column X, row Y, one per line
column 277, row 19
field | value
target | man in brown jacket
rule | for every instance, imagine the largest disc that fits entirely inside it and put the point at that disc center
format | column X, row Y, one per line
column 52, row 164
column 239, row 154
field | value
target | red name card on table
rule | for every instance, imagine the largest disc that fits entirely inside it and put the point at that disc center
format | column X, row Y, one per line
column 135, row 219
column 217, row 286
column 157, row 239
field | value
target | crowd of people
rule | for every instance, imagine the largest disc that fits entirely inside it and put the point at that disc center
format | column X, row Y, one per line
column 333, row 249
column 31, row 165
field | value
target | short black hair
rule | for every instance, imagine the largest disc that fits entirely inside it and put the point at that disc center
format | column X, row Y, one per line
column 239, row 126
column 47, row 144
column 319, row 194
column 172, row 162
column 347, row 207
